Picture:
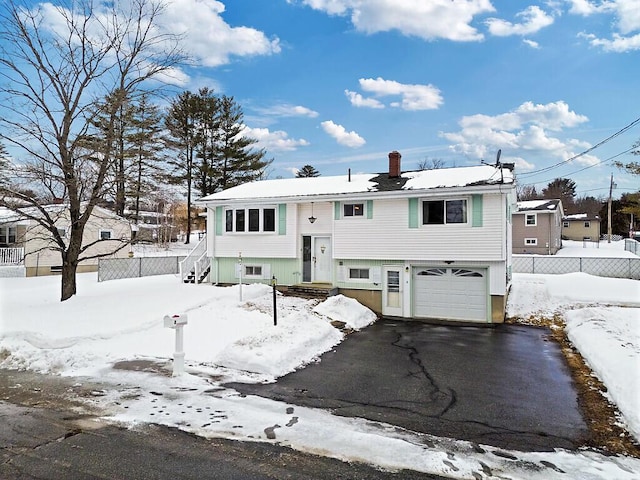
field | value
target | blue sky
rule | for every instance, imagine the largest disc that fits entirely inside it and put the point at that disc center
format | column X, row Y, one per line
column 338, row 84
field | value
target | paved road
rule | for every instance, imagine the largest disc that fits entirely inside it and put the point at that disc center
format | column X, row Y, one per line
column 507, row 386
column 53, row 441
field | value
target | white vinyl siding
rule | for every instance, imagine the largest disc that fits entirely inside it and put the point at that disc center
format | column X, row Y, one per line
column 388, row 235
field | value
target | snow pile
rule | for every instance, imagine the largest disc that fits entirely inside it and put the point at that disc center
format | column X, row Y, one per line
column 347, row 310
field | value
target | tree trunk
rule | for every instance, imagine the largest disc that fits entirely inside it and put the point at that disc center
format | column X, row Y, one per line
column 68, row 280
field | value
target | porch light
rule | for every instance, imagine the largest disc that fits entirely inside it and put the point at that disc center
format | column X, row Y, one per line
column 312, row 219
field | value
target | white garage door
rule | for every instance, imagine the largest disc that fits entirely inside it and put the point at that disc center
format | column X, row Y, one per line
column 450, row 293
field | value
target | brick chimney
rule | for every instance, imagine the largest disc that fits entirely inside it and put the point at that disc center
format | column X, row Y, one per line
column 394, row 164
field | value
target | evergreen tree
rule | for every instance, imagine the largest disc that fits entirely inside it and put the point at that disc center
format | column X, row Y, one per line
column 146, row 146
column 307, row 171
column 182, row 121
column 563, row 189
column 236, row 161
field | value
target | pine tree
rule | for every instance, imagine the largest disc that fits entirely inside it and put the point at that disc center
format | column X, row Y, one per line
column 307, row 171
column 181, row 122
column 236, row 161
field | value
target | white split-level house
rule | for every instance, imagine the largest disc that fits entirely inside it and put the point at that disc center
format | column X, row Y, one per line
column 432, row 244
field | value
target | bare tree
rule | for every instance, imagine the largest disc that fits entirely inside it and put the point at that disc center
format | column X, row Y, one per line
column 57, row 61
column 431, row 163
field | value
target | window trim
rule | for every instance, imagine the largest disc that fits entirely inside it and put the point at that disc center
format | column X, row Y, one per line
column 466, row 213
column 254, row 268
column 8, row 233
column 231, row 220
column 531, row 242
column 534, row 216
column 360, row 270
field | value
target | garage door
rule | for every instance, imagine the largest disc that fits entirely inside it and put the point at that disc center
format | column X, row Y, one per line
column 450, row 293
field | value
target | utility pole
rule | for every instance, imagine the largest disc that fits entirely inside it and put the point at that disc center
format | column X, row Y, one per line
column 609, row 211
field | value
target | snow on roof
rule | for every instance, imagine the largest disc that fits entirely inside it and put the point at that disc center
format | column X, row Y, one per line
column 581, row 216
column 363, row 183
column 539, row 205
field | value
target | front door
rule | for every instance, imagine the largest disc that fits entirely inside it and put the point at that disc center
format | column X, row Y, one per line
column 392, row 290
column 322, row 259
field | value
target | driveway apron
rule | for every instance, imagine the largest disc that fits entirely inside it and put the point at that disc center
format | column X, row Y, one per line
column 507, row 386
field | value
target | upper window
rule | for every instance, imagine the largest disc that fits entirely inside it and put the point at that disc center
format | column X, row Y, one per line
column 565, row 224
column 439, row 212
column 531, row 219
column 253, row 220
column 106, row 234
column 8, row 235
column 587, row 224
column 353, row 209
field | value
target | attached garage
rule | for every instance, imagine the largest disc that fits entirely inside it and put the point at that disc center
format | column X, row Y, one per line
column 450, row 293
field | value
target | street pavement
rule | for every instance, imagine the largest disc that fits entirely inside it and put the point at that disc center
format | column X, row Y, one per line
column 47, row 444
column 507, row 386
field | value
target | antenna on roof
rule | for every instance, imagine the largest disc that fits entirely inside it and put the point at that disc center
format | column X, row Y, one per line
column 498, row 157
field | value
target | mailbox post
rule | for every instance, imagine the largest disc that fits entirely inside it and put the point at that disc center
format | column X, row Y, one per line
column 177, row 322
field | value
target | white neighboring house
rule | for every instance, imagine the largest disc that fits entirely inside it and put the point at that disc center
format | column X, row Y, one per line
column 433, row 244
column 27, row 249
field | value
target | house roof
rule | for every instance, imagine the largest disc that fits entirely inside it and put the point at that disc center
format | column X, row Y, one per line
column 9, row 216
column 545, row 205
column 581, row 217
column 365, row 183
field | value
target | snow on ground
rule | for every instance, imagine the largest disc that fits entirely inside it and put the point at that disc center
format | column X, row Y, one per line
column 571, row 248
column 231, row 340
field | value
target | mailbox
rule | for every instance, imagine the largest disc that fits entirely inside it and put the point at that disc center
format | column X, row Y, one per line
column 174, row 321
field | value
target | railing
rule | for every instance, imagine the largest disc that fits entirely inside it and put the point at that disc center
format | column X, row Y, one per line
column 11, row 256
column 189, row 264
column 201, row 266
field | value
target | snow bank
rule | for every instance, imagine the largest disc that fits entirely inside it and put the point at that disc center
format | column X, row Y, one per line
column 346, row 310
column 609, row 340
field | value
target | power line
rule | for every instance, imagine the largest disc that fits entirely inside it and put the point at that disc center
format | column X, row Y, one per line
column 585, row 168
column 590, row 149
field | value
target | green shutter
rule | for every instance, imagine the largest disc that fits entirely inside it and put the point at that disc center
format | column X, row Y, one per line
column 219, row 220
column 282, row 219
column 336, row 210
column 413, row 213
column 476, row 210
column 369, row 209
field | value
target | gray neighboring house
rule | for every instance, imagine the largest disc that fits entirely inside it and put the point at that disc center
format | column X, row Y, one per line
column 421, row 244
column 537, row 227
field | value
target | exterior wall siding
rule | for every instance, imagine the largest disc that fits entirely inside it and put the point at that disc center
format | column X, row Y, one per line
column 577, row 231
column 392, row 230
column 286, row 271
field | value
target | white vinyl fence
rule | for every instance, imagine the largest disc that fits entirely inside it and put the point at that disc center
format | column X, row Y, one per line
column 117, row 268
column 599, row 266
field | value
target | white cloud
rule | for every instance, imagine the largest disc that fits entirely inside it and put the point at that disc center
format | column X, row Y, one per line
column 531, row 43
column 533, row 20
column 208, row 38
column 429, row 20
column 358, row 100
column 413, row 97
column 348, row 139
column 627, row 21
column 618, row 44
column 525, row 129
column 274, row 141
column 288, row 110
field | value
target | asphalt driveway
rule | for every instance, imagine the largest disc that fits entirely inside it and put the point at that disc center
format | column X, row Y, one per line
column 506, row 386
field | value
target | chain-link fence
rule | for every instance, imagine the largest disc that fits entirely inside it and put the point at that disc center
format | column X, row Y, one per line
column 631, row 245
column 116, row 268
column 599, row 266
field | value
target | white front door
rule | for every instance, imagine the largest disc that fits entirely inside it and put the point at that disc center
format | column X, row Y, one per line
column 392, row 290
column 322, row 259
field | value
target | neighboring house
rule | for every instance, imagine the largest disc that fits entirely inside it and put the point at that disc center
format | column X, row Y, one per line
column 26, row 244
column 537, row 227
column 153, row 227
column 581, row 227
column 424, row 244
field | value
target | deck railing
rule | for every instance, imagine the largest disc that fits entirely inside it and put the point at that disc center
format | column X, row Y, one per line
column 11, row 256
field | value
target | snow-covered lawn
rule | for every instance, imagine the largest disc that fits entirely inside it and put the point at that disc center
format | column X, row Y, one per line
column 228, row 340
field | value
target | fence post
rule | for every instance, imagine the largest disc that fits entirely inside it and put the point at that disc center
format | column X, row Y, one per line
column 140, row 267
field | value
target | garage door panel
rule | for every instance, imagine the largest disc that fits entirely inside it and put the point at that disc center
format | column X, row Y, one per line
column 450, row 293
